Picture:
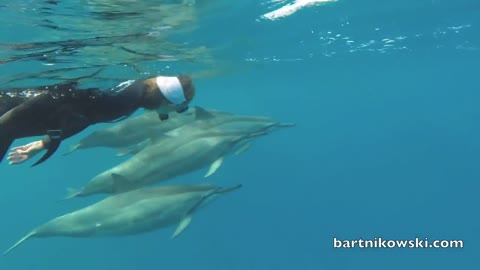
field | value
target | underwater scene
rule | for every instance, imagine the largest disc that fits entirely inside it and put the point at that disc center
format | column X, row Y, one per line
column 250, row 134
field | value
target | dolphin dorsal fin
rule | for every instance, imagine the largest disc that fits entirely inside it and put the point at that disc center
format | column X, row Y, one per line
column 121, row 183
column 202, row 114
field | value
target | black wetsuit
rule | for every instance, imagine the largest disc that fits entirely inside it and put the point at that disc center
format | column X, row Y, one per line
column 61, row 111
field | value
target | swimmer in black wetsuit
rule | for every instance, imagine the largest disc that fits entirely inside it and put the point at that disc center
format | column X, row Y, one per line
column 62, row 111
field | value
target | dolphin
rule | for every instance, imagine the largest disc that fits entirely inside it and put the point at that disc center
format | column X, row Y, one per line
column 206, row 120
column 169, row 158
column 135, row 130
column 117, row 135
column 130, row 213
column 128, row 132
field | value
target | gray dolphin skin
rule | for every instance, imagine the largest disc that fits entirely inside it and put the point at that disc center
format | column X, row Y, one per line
column 129, row 131
column 130, row 213
column 179, row 152
column 134, row 131
column 169, row 158
column 207, row 120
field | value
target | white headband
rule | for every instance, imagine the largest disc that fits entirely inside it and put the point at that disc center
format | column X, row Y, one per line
column 171, row 89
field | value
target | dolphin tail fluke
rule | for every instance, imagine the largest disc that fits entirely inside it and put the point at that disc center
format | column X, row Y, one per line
column 72, row 149
column 25, row 238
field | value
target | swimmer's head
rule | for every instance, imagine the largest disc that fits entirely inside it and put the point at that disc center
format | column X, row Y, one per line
column 169, row 94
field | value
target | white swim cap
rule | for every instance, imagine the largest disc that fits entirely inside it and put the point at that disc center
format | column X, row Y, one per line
column 171, row 89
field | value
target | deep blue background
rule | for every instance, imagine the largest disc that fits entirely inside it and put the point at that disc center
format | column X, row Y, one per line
column 386, row 145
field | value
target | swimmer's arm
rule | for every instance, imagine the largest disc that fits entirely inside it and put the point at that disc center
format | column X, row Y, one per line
column 25, row 152
column 40, row 144
column 45, row 142
column 72, row 126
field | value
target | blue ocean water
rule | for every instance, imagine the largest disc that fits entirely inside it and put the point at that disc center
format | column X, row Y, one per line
column 384, row 95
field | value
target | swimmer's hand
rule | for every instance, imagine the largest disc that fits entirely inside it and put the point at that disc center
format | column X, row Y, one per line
column 23, row 153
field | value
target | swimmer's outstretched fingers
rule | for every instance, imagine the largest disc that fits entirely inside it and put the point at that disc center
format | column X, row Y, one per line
column 23, row 153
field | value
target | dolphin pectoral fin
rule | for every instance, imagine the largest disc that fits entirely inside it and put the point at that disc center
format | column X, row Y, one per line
column 123, row 152
column 121, row 183
column 72, row 149
column 214, row 167
column 71, row 193
column 182, row 226
column 25, row 238
column 243, row 148
column 55, row 140
column 134, row 149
